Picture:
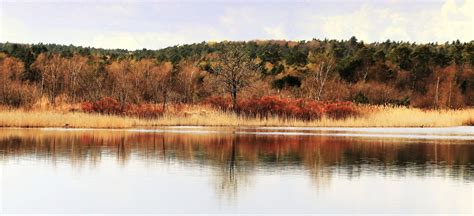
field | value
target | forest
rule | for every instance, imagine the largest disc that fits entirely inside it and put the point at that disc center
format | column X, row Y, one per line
column 235, row 75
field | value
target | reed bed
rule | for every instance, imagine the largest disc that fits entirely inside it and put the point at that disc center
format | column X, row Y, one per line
column 19, row 118
column 372, row 116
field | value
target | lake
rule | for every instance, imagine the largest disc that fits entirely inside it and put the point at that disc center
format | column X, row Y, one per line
column 237, row 170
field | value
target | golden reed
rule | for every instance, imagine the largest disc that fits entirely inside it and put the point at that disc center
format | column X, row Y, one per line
column 372, row 116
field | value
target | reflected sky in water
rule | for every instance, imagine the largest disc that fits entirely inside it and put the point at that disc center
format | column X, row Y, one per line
column 77, row 171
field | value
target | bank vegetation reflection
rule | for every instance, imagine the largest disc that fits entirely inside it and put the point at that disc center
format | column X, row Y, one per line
column 235, row 158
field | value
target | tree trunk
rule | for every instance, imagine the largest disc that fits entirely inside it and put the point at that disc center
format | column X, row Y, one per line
column 234, row 101
column 232, row 161
column 437, row 94
column 318, row 95
column 165, row 98
column 449, row 95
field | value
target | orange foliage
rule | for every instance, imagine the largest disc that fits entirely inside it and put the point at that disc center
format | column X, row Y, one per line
column 144, row 111
column 87, row 107
column 298, row 108
column 107, row 105
column 221, row 103
column 341, row 110
column 111, row 106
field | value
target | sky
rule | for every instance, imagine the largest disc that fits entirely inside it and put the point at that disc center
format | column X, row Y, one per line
column 155, row 24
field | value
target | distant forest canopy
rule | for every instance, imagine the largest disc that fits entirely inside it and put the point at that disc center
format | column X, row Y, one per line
column 399, row 73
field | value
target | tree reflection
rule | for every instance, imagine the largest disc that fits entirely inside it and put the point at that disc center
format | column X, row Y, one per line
column 237, row 157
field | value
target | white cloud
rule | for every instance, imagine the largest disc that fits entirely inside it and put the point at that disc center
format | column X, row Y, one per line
column 155, row 40
column 130, row 26
column 358, row 23
column 368, row 23
column 114, row 40
column 275, row 32
column 238, row 22
column 450, row 22
column 13, row 30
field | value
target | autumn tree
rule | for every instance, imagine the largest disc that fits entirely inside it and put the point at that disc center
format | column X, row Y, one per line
column 75, row 67
column 443, row 91
column 10, row 70
column 154, row 80
column 118, row 80
column 91, row 80
column 320, row 69
column 52, row 69
column 163, row 81
column 235, row 70
column 143, row 78
column 187, row 81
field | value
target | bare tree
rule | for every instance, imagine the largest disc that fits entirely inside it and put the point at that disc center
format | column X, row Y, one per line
column 235, row 70
column 10, row 72
column 75, row 67
column 52, row 70
column 320, row 69
column 153, row 80
column 140, row 79
column 187, row 80
column 91, row 80
column 119, row 81
column 162, row 77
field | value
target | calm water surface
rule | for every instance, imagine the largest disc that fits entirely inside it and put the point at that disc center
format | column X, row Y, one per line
column 267, row 170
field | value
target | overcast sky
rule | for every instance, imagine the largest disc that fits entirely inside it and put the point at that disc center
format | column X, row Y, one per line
column 157, row 24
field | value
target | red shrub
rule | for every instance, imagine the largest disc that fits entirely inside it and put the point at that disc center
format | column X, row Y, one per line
column 267, row 106
column 112, row 107
column 341, row 110
column 221, row 103
column 107, row 105
column 313, row 110
column 87, row 107
column 145, row 111
column 263, row 107
column 295, row 108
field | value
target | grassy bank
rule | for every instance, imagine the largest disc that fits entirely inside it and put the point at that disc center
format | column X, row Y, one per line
column 371, row 117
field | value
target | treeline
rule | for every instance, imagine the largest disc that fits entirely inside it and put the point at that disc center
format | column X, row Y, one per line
column 399, row 73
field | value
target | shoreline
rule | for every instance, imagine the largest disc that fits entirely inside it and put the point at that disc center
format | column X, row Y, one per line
column 461, row 133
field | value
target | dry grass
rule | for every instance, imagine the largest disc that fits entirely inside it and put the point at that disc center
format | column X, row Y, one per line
column 202, row 116
column 469, row 122
column 18, row 118
column 373, row 117
column 408, row 117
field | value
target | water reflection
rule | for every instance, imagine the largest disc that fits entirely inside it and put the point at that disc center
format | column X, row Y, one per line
column 248, row 173
column 238, row 154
